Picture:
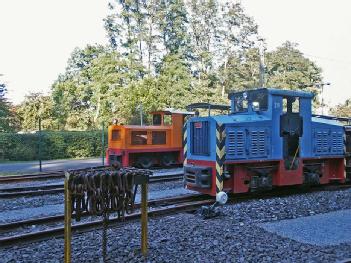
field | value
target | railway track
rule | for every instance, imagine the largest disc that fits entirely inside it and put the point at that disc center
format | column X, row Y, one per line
column 14, row 192
column 51, row 175
column 31, row 177
column 158, row 208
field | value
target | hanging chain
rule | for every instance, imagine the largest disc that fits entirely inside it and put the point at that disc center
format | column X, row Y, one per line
column 101, row 192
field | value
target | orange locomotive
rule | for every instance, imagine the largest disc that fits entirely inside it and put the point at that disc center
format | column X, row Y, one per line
column 144, row 146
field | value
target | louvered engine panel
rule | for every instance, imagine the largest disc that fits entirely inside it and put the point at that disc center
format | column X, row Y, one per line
column 327, row 141
column 321, row 144
column 258, row 143
column 337, row 146
column 248, row 143
column 236, row 141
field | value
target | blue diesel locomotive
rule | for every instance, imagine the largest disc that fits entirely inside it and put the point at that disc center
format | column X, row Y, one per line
column 270, row 138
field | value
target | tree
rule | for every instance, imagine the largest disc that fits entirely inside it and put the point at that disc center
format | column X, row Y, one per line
column 286, row 68
column 152, row 36
column 173, row 23
column 171, row 88
column 125, row 27
column 8, row 117
column 204, row 25
column 92, row 96
column 219, row 30
column 35, row 106
column 241, row 71
column 342, row 109
column 169, row 53
column 81, row 58
column 145, row 31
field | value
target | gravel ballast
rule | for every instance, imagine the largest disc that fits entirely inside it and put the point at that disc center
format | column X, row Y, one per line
column 235, row 236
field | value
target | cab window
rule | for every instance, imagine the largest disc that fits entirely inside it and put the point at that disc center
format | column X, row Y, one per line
column 296, row 105
column 167, row 120
column 139, row 137
column 158, row 137
column 241, row 104
column 116, row 135
column 156, row 119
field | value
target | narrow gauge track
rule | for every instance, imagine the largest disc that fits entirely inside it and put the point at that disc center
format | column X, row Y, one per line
column 40, row 176
column 52, row 175
column 160, row 207
column 58, row 188
column 31, row 177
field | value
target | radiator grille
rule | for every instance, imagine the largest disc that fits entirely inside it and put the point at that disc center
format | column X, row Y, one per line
column 321, row 143
column 200, row 138
column 337, row 142
column 247, row 143
column 327, row 141
column 258, row 143
column 236, row 143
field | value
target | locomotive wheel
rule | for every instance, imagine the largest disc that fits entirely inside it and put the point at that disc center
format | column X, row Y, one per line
column 145, row 162
column 167, row 160
column 116, row 164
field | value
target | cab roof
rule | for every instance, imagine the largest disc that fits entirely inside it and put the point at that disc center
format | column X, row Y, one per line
column 278, row 92
column 173, row 111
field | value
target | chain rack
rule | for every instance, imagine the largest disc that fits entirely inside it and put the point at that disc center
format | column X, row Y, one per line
column 103, row 192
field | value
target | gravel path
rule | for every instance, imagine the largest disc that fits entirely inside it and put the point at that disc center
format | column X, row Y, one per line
column 235, row 236
column 331, row 228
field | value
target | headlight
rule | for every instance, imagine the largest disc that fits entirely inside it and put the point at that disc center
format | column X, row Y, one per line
column 221, row 198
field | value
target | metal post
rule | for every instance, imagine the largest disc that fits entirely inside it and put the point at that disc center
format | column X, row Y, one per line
column 321, row 86
column 144, row 219
column 67, row 231
column 262, row 64
column 103, row 144
column 322, row 100
column 39, row 146
column 141, row 115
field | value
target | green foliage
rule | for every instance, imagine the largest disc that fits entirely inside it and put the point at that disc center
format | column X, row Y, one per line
column 286, row 68
column 171, row 88
column 94, row 95
column 54, row 145
column 241, row 71
column 8, row 117
column 173, row 23
column 35, row 106
column 342, row 110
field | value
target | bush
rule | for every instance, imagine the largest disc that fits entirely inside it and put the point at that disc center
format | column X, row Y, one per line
column 54, row 145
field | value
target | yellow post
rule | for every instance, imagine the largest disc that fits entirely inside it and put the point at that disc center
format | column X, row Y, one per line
column 68, row 211
column 144, row 219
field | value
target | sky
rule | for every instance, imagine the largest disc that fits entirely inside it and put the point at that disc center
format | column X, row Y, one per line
column 38, row 36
